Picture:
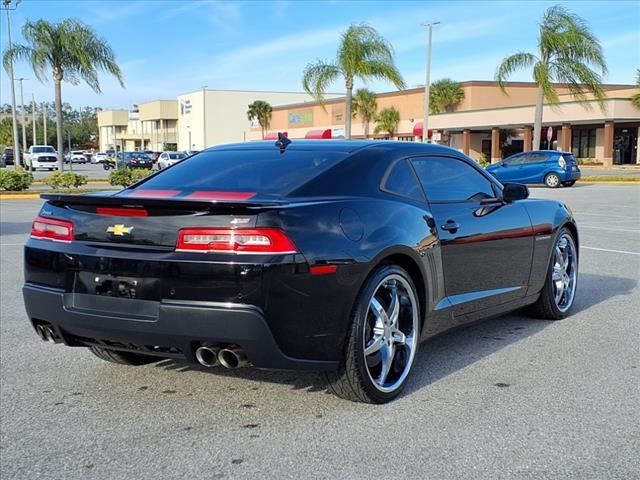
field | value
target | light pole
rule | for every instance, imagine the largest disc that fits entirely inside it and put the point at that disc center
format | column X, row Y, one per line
column 22, row 119
column 44, row 123
column 425, row 125
column 6, row 5
column 33, row 117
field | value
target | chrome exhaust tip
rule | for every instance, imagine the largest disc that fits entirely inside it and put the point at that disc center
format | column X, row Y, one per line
column 232, row 357
column 207, row 356
column 46, row 333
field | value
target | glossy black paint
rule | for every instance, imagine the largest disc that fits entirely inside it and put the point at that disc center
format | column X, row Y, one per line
column 468, row 260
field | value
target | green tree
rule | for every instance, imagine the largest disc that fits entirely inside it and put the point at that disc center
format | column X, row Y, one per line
column 444, row 95
column 261, row 111
column 568, row 53
column 72, row 51
column 363, row 54
column 636, row 98
column 365, row 106
column 6, row 132
column 387, row 121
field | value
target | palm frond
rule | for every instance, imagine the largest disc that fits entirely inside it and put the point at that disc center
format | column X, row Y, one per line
column 317, row 77
column 513, row 63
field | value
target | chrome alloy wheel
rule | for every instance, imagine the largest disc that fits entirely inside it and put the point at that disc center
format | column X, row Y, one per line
column 565, row 271
column 390, row 334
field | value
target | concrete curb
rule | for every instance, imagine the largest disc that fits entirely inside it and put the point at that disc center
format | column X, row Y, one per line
column 614, row 182
column 90, row 182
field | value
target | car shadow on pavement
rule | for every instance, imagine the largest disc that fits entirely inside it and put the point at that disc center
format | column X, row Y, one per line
column 447, row 353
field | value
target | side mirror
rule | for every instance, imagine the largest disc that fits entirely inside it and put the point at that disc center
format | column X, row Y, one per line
column 514, row 191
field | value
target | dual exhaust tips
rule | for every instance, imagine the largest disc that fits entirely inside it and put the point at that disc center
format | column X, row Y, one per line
column 46, row 333
column 230, row 357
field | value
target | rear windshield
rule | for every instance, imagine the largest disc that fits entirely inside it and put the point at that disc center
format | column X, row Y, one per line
column 176, row 156
column 265, row 172
column 569, row 157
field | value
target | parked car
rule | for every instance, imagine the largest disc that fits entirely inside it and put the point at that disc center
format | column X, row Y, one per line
column 41, row 156
column 549, row 167
column 336, row 256
column 134, row 160
column 75, row 156
column 167, row 159
column 99, row 157
column 7, row 157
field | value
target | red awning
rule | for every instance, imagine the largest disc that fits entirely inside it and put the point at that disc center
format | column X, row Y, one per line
column 418, row 128
column 318, row 134
column 274, row 135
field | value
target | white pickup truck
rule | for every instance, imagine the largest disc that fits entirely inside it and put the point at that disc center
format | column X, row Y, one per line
column 41, row 156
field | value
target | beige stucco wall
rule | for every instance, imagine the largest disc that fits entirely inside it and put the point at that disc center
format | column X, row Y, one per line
column 223, row 114
column 159, row 109
column 600, row 143
column 113, row 117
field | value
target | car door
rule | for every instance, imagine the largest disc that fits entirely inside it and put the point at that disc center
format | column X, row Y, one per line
column 533, row 168
column 511, row 168
column 486, row 244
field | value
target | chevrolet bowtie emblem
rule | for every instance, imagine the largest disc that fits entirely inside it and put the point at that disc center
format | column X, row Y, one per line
column 119, row 230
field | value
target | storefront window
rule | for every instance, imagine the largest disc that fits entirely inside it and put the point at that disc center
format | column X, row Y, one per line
column 583, row 143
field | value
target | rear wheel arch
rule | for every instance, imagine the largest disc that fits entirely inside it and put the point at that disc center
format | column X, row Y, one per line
column 412, row 267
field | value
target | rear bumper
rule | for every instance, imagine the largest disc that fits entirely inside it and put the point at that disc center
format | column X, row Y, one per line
column 166, row 328
column 571, row 175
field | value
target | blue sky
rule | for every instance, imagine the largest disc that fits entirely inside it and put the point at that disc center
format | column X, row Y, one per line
column 170, row 47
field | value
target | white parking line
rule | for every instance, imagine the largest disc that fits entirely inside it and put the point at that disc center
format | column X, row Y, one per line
column 610, row 250
column 609, row 228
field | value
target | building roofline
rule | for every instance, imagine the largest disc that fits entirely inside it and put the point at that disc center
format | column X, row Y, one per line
column 158, row 100
column 469, row 83
column 246, row 91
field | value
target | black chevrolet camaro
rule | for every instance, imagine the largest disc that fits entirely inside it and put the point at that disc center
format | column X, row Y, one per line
column 337, row 256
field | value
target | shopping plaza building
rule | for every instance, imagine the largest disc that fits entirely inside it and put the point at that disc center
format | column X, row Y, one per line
column 488, row 123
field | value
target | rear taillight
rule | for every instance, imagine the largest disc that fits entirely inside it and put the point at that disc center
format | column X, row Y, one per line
column 562, row 162
column 52, row 229
column 235, row 240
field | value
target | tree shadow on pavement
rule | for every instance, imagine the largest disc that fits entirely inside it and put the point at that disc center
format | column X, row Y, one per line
column 449, row 352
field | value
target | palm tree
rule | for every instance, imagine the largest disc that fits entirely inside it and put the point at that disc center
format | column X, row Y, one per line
column 363, row 54
column 72, row 51
column 365, row 106
column 568, row 53
column 387, row 121
column 260, row 111
column 636, row 98
column 444, row 95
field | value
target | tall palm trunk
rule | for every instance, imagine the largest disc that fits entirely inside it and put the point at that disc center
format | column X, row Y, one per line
column 537, row 124
column 347, row 109
column 57, row 79
column 366, row 129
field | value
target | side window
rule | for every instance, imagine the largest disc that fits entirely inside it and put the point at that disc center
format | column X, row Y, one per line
column 516, row 159
column 537, row 158
column 451, row 180
column 402, row 181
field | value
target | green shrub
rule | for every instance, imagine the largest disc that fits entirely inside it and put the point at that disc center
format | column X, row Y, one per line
column 140, row 173
column 482, row 160
column 15, row 180
column 66, row 180
column 587, row 161
column 125, row 177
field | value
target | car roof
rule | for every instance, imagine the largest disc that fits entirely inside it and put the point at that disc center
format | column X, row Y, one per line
column 347, row 146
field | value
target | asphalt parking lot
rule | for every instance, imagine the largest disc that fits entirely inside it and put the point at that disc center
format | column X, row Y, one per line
column 507, row 398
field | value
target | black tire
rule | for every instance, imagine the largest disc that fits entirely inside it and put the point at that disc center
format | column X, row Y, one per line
column 352, row 381
column 545, row 307
column 122, row 358
column 570, row 183
column 552, row 180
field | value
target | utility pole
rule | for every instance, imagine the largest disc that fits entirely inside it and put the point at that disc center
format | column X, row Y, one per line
column 22, row 119
column 33, row 117
column 425, row 125
column 6, row 6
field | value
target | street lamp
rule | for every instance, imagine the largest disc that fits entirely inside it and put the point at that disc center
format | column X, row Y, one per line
column 6, row 6
column 425, row 125
column 33, row 118
column 204, row 117
column 22, row 119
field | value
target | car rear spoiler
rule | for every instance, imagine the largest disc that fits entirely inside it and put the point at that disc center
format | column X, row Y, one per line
column 61, row 199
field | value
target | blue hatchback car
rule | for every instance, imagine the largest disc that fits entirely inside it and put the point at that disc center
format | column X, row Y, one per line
column 550, row 167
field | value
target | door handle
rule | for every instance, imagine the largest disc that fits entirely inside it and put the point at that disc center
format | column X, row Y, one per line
column 450, row 226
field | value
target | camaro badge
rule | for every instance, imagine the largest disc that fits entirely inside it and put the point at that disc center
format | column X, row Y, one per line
column 119, row 230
